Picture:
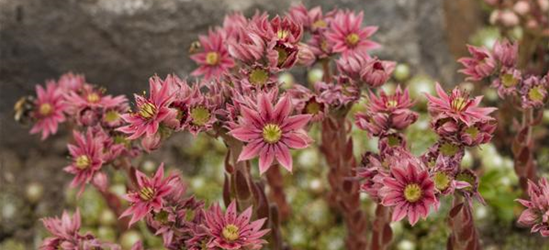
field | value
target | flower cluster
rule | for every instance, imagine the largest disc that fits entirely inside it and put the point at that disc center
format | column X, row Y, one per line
column 411, row 185
column 536, row 214
column 183, row 221
column 500, row 64
column 94, row 117
column 240, row 98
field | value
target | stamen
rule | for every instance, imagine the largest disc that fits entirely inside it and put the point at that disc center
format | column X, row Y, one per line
column 272, row 133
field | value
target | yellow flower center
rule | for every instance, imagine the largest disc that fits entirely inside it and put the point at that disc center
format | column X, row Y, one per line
column 472, row 131
column 508, row 80
column 82, row 162
column 324, row 45
column 147, row 110
column 391, row 104
column 146, row 193
column 161, row 217
column 536, row 94
column 93, row 97
column 272, row 133
column 459, row 104
column 45, row 109
column 230, row 232
column 212, row 58
column 200, row 115
column 393, row 140
column 258, row 77
column 448, row 149
column 112, row 116
column 319, row 24
column 352, row 39
column 312, row 108
column 412, row 192
column 282, row 55
column 442, row 181
column 281, row 34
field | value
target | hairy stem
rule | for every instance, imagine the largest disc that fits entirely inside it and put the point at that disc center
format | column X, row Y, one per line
column 337, row 147
column 276, row 194
column 381, row 230
column 240, row 186
column 464, row 235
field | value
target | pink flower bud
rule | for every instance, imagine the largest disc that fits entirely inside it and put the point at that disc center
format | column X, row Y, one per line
column 522, row 8
column 151, row 142
column 305, row 55
column 508, row 18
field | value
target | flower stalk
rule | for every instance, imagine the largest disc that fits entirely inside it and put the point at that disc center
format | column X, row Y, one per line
column 337, row 147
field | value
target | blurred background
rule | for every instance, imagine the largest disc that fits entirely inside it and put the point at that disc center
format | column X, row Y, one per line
column 118, row 44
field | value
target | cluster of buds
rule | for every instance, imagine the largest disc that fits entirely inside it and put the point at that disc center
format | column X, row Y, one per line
column 411, row 185
column 531, row 15
column 500, row 64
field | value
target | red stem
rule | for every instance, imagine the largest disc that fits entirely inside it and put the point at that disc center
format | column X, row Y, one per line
column 344, row 195
column 381, row 230
column 276, row 194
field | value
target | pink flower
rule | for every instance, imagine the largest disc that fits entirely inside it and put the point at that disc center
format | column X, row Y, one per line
column 387, row 112
column 410, row 191
column 507, row 82
column 270, row 132
column 233, row 231
column 66, row 227
column 371, row 174
column 458, row 106
column 305, row 55
column 214, row 61
column 49, row 111
column 151, row 112
column 480, row 65
column 87, row 158
column 284, row 30
column 320, row 46
column 478, row 133
column 377, row 72
column 111, row 117
column 90, row 97
column 353, row 64
column 247, row 46
column 66, row 235
column 307, row 102
column 534, row 92
column 233, row 23
column 345, row 33
column 362, row 68
column 71, row 82
column 200, row 114
column 150, row 194
column 389, row 103
column 341, row 93
column 312, row 20
column 536, row 214
column 506, row 53
column 282, row 55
